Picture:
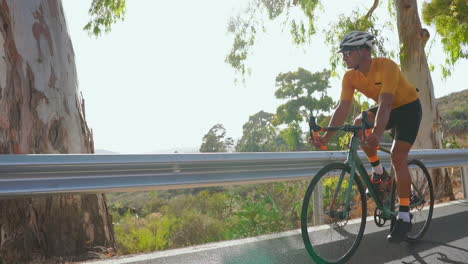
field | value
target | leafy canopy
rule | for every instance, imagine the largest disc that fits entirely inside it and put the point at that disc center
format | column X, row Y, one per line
column 246, row 25
column 258, row 134
column 450, row 18
column 306, row 94
column 215, row 140
column 103, row 14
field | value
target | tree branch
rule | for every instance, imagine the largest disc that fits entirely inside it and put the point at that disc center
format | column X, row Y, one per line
column 424, row 35
column 374, row 6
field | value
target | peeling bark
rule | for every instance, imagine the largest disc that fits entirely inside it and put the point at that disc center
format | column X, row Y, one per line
column 413, row 39
column 41, row 111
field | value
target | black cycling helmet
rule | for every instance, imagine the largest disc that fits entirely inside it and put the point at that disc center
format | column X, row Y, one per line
column 356, row 39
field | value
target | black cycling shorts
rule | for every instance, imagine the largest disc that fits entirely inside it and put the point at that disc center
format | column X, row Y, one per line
column 404, row 121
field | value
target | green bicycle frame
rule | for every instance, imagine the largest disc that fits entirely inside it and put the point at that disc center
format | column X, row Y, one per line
column 356, row 164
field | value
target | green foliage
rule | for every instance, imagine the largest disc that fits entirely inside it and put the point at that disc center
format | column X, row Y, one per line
column 238, row 54
column 343, row 140
column 273, row 7
column 206, row 215
column 103, row 14
column 450, row 18
column 257, row 214
column 265, row 208
column 456, row 119
column 301, row 32
column 178, row 221
column 135, row 234
column 215, row 141
column 306, row 94
column 453, row 110
column 245, row 26
column 330, row 188
column 451, row 143
column 293, row 137
column 258, row 134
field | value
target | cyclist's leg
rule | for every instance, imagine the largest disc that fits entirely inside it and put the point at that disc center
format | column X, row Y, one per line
column 408, row 118
column 400, row 150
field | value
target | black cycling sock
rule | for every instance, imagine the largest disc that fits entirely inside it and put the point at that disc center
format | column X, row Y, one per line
column 375, row 163
column 404, row 208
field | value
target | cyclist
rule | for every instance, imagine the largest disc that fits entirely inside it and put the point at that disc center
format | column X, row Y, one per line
column 398, row 109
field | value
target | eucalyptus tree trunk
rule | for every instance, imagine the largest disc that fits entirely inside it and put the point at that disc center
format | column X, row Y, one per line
column 41, row 111
column 414, row 65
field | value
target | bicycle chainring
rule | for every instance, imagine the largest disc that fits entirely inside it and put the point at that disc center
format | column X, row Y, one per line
column 378, row 219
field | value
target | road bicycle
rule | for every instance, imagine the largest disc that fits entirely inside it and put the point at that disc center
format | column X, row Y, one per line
column 335, row 206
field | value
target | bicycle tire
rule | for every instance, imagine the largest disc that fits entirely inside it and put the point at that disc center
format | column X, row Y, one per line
column 422, row 208
column 320, row 246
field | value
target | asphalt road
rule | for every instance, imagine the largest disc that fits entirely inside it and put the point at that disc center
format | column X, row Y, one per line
column 445, row 242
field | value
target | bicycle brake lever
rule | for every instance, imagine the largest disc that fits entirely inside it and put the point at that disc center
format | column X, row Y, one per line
column 314, row 129
column 313, row 125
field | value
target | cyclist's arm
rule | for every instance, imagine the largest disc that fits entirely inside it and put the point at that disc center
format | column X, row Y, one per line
column 390, row 76
column 383, row 114
column 338, row 118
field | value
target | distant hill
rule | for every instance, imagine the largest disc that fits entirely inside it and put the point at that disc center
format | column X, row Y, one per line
column 176, row 150
column 104, row 151
column 161, row 151
column 453, row 110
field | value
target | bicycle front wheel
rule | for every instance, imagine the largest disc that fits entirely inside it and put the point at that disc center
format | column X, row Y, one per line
column 421, row 199
column 333, row 216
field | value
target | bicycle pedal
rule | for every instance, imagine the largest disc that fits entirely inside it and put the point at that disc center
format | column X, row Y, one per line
column 337, row 214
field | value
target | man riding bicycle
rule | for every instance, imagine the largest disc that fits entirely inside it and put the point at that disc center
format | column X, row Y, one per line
column 398, row 109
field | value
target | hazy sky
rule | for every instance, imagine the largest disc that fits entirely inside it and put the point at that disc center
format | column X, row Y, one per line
column 158, row 81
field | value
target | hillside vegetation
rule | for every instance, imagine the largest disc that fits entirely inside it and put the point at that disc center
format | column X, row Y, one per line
column 453, row 110
column 149, row 221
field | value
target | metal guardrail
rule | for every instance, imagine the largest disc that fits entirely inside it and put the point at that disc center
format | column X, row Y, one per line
column 30, row 175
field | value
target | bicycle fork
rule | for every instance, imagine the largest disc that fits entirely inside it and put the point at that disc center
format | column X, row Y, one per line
column 335, row 213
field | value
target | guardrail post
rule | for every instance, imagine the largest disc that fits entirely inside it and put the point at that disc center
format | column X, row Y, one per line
column 318, row 204
column 464, row 177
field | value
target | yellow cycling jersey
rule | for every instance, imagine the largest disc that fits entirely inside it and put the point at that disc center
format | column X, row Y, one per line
column 384, row 76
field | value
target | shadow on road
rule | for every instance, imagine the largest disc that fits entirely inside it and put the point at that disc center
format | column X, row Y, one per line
column 439, row 246
column 442, row 232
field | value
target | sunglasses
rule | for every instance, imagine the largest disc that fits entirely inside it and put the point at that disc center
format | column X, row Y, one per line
column 346, row 53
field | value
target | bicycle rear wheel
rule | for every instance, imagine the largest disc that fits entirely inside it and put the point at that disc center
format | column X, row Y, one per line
column 421, row 199
column 330, row 235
